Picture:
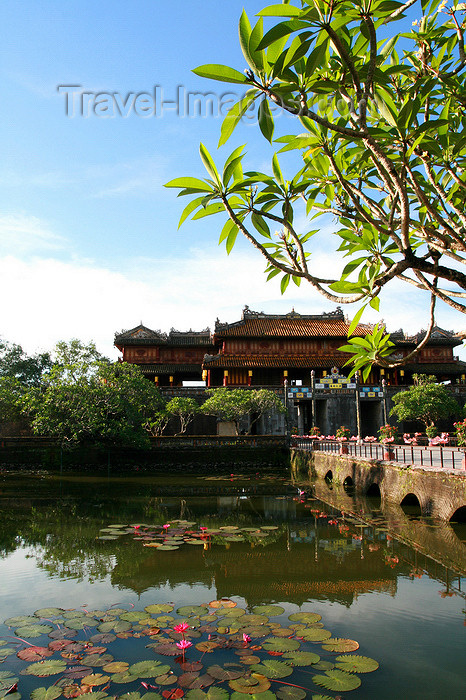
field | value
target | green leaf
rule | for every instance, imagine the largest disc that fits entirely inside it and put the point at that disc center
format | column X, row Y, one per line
column 234, row 115
column 260, row 224
column 265, row 119
column 244, row 30
column 356, row 319
column 231, row 239
column 216, row 71
column 192, row 206
column 209, row 163
column 189, row 182
column 276, row 170
column 227, row 228
column 280, row 11
column 284, row 283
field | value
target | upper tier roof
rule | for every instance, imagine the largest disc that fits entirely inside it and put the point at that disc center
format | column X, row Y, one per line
column 293, row 325
column 141, row 335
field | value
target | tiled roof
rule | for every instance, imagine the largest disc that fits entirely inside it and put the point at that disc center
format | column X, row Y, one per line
column 169, row 368
column 296, row 327
column 275, row 361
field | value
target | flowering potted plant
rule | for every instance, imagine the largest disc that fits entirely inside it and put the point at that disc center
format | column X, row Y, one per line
column 460, row 428
column 342, row 435
column 387, row 435
column 314, row 432
column 431, row 432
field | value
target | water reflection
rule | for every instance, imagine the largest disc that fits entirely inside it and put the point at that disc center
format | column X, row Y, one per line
column 383, row 577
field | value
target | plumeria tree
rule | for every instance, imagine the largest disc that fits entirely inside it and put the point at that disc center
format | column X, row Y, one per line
column 379, row 104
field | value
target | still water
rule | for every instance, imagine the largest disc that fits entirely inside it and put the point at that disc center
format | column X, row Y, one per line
column 114, row 564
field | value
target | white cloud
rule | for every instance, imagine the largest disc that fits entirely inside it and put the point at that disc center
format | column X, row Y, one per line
column 51, row 300
column 26, row 235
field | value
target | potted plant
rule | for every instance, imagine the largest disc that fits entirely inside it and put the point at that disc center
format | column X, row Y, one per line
column 342, row 435
column 431, row 432
column 387, row 436
column 314, row 432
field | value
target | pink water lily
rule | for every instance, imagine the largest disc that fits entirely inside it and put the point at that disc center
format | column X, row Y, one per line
column 182, row 627
column 184, row 644
column 246, row 638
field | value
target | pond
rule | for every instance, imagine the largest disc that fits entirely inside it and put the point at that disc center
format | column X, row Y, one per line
column 279, row 594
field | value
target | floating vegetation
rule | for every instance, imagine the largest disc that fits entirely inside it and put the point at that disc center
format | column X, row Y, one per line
column 207, row 652
column 175, row 533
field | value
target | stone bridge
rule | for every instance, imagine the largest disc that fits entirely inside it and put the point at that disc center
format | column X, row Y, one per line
column 436, row 493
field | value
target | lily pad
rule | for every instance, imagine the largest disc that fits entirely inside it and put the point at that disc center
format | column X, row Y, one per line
column 301, row 658
column 289, row 692
column 314, row 634
column 167, row 547
column 116, row 667
column 214, row 693
column 80, row 623
column 114, row 626
column 49, row 667
column 269, row 610
column 272, row 668
column 338, row 680
column 191, row 610
column 123, row 677
column 148, row 669
column 20, row 621
column 134, row 616
column 48, row 612
column 34, row 653
column 95, row 679
column 266, row 695
column 255, row 683
column 306, row 617
column 30, row 631
column 6, row 651
column 46, row 693
column 281, row 644
column 227, row 672
column 336, row 644
column 356, row 664
column 159, row 608
column 167, row 678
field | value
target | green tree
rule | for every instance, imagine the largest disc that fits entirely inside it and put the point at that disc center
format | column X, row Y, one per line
column 265, row 401
column 381, row 108
column 426, row 401
column 184, row 409
column 27, row 369
column 235, row 404
column 100, row 404
column 11, row 399
column 228, row 404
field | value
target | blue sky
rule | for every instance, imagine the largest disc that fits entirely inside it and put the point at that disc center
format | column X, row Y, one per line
column 88, row 234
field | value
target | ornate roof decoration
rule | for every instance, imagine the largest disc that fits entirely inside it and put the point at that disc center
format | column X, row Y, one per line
column 141, row 332
column 439, row 336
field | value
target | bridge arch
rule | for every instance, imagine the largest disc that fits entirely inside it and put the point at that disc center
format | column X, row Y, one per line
column 411, row 504
column 348, row 483
column 459, row 516
column 374, row 491
column 329, row 475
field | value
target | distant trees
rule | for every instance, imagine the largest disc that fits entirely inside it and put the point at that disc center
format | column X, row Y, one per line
column 77, row 395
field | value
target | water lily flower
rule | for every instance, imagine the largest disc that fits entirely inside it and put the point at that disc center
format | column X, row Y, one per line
column 182, row 627
column 166, row 526
column 184, row 644
column 246, row 638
